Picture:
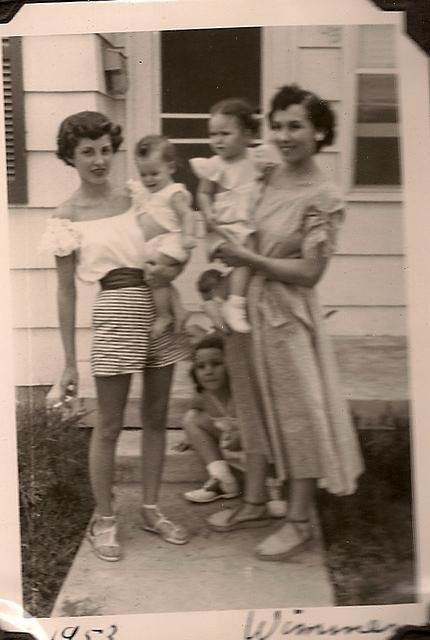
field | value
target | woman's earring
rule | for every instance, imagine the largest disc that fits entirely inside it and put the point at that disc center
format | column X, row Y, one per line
column 319, row 136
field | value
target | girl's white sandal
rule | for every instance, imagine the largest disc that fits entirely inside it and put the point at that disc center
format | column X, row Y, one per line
column 104, row 542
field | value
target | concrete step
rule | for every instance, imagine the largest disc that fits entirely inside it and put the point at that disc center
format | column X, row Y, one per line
column 219, row 571
column 215, row 571
column 373, row 373
column 180, row 466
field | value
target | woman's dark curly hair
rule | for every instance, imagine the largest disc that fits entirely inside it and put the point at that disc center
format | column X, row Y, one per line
column 319, row 111
column 241, row 110
column 209, row 341
column 85, row 124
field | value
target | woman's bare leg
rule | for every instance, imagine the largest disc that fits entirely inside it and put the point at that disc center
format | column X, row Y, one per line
column 156, row 389
column 255, row 485
column 296, row 532
column 112, row 392
column 301, row 493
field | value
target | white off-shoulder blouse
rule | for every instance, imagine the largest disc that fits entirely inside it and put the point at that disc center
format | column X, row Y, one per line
column 101, row 245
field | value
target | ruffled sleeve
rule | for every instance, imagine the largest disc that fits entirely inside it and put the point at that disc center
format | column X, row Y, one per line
column 323, row 218
column 137, row 192
column 61, row 237
column 178, row 187
column 209, row 168
column 265, row 157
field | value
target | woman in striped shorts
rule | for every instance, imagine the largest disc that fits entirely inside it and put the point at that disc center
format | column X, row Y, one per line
column 95, row 236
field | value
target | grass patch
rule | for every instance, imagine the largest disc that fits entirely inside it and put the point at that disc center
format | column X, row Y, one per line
column 55, row 501
column 369, row 536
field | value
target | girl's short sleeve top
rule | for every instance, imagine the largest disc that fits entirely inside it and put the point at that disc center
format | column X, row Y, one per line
column 240, row 173
column 100, row 245
column 227, row 175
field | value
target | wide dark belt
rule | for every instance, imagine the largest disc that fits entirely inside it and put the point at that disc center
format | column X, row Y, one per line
column 121, row 278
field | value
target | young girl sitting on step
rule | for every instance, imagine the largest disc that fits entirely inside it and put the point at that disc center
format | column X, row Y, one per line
column 211, row 428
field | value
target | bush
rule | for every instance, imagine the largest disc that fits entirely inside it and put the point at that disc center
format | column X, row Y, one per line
column 369, row 535
column 54, row 497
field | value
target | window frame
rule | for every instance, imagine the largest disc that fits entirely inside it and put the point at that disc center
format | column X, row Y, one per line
column 17, row 185
column 352, row 72
column 165, row 115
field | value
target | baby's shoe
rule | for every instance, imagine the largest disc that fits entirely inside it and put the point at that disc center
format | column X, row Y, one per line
column 234, row 313
column 213, row 489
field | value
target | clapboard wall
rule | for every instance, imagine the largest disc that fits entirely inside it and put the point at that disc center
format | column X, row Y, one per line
column 364, row 282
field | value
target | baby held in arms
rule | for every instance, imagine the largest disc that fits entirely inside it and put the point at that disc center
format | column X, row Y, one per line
column 164, row 214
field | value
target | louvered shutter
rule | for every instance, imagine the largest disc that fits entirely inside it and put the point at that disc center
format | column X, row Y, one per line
column 14, row 121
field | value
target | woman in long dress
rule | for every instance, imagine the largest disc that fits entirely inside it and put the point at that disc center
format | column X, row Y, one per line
column 284, row 380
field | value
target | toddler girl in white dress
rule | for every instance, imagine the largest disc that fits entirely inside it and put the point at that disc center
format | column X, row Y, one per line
column 227, row 192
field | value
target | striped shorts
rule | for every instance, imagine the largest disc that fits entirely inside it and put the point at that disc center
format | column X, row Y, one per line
column 122, row 321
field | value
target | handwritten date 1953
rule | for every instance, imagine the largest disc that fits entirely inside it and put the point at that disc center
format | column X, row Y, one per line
column 79, row 633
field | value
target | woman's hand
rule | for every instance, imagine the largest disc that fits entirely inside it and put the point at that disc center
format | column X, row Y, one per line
column 189, row 242
column 230, row 440
column 211, row 220
column 160, row 275
column 70, row 378
column 235, row 255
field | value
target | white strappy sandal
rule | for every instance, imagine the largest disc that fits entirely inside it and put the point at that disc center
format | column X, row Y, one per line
column 104, row 542
column 162, row 526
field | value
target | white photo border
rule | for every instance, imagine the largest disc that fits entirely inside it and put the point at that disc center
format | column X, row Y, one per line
column 117, row 16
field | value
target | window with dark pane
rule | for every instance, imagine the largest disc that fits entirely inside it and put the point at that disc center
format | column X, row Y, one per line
column 184, row 173
column 13, row 104
column 200, row 67
column 377, row 133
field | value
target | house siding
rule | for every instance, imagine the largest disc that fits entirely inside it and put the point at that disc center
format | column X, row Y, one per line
column 365, row 280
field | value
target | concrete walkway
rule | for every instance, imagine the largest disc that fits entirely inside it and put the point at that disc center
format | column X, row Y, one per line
column 218, row 571
column 214, row 571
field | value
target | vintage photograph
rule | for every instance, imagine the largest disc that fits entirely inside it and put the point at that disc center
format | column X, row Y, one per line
column 210, row 338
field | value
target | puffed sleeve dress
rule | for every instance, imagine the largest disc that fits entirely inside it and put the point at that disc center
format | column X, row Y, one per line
column 286, row 390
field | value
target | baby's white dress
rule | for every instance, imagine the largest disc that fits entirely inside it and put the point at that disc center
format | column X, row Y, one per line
column 158, row 206
column 237, row 189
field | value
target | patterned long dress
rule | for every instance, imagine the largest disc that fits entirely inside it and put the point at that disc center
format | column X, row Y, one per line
column 284, row 380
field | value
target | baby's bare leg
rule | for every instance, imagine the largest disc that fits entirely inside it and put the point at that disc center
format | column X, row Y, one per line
column 180, row 314
column 240, row 276
column 163, row 310
column 234, row 309
column 168, row 306
column 239, row 280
